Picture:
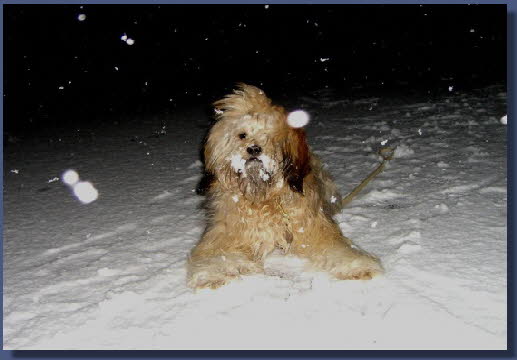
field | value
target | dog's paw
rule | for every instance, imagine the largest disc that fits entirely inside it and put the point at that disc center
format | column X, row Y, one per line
column 348, row 263
column 202, row 280
column 220, row 270
column 362, row 268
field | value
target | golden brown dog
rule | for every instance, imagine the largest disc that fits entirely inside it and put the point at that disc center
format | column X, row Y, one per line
column 268, row 191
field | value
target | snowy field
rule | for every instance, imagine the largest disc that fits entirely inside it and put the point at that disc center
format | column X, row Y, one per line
column 111, row 274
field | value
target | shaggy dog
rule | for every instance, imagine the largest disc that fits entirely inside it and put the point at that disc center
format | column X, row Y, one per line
column 268, row 191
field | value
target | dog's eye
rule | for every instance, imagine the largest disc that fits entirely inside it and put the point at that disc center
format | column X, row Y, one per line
column 242, row 136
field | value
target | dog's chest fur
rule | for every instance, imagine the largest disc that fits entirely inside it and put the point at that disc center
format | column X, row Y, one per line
column 261, row 227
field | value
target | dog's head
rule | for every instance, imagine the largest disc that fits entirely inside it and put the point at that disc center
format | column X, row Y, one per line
column 252, row 148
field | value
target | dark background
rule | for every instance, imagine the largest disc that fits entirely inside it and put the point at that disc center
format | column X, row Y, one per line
column 193, row 54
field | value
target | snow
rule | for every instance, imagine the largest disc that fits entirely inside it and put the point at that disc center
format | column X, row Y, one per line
column 127, row 39
column 85, row 192
column 238, row 164
column 70, row 177
column 263, row 175
column 268, row 163
column 298, row 119
column 403, row 151
column 111, row 274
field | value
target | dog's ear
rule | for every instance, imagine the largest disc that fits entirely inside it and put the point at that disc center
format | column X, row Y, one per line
column 204, row 184
column 208, row 176
column 296, row 159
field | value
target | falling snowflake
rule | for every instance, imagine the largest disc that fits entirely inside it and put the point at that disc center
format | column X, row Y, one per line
column 85, row 192
column 70, row 177
column 127, row 39
column 298, row 119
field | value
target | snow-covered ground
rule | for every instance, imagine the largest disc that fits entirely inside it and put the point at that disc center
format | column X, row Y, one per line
column 111, row 274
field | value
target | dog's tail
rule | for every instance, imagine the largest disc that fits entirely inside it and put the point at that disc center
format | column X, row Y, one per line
column 387, row 154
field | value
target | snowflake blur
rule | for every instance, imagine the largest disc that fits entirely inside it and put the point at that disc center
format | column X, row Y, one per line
column 298, row 119
column 70, row 177
column 83, row 190
column 127, row 39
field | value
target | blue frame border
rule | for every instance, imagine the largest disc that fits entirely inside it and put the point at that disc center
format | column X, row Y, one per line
column 366, row 354
column 250, row 2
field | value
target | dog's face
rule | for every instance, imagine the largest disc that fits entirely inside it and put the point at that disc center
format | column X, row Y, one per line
column 252, row 149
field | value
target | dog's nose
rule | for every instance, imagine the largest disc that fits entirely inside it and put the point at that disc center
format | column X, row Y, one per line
column 254, row 150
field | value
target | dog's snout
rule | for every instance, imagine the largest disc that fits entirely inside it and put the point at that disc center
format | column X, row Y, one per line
column 254, row 150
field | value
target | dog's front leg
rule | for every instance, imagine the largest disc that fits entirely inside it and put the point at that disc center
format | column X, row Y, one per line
column 328, row 250
column 348, row 263
column 215, row 261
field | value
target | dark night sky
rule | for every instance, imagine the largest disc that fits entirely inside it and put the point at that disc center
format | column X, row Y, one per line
column 186, row 54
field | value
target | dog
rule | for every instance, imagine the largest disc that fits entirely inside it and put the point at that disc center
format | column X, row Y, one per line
column 267, row 191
